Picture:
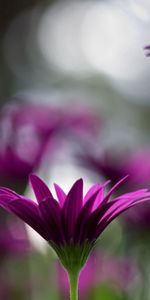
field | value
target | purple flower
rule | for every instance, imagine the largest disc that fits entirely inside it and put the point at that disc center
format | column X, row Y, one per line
column 81, row 120
column 147, row 48
column 13, row 239
column 25, row 130
column 72, row 224
column 28, row 131
column 104, row 166
column 137, row 165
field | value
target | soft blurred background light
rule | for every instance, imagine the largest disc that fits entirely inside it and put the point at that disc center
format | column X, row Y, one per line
column 75, row 102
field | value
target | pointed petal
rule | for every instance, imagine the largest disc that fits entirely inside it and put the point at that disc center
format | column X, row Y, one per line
column 107, row 197
column 41, row 190
column 51, row 214
column 110, row 209
column 96, row 187
column 60, row 194
column 100, row 196
column 7, row 195
column 92, row 190
column 105, row 222
column 72, row 207
column 106, row 210
column 5, row 200
column 125, row 201
column 80, row 226
column 8, row 191
column 28, row 211
column 133, row 195
column 94, row 219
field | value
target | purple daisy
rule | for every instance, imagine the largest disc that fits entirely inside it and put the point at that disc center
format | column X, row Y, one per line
column 72, row 224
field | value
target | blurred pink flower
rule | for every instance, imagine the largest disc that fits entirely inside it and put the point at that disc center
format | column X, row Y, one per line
column 137, row 165
column 24, row 132
column 82, row 120
column 13, row 239
column 27, row 130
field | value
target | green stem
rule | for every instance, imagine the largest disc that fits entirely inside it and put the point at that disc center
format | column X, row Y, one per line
column 73, row 279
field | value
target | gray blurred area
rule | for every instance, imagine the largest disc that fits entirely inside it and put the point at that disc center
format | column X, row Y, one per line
column 63, row 49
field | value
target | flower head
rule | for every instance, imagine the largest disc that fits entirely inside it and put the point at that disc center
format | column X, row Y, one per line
column 72, row 224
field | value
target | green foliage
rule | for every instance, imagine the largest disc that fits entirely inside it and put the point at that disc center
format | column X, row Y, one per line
column 105, row 292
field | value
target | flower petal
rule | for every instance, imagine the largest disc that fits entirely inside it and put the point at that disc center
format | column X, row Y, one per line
column 105, row 222
column 7, row 195
column 5, row 200
column 96, row 187
column 106, row 210
column 60, row 194
column 125, row 201
column 41, row 190
column 72, row 207
column 51, row 214
column 83, row 217
column 107, row 197
column 101, row 216
column 4, row 190
column 93, row 220
column 28, row 211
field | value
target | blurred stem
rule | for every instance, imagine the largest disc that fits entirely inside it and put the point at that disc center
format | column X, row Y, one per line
column 73, row 279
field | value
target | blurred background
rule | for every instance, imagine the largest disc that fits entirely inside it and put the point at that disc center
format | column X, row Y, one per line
column 75, row 102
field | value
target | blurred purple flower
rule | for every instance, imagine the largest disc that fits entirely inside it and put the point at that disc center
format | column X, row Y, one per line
column 82, row 120
column 73, row 223
column 27, row 131
column 137, row 165
column 13, row 239
column 103, row 166
column 147, row 48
